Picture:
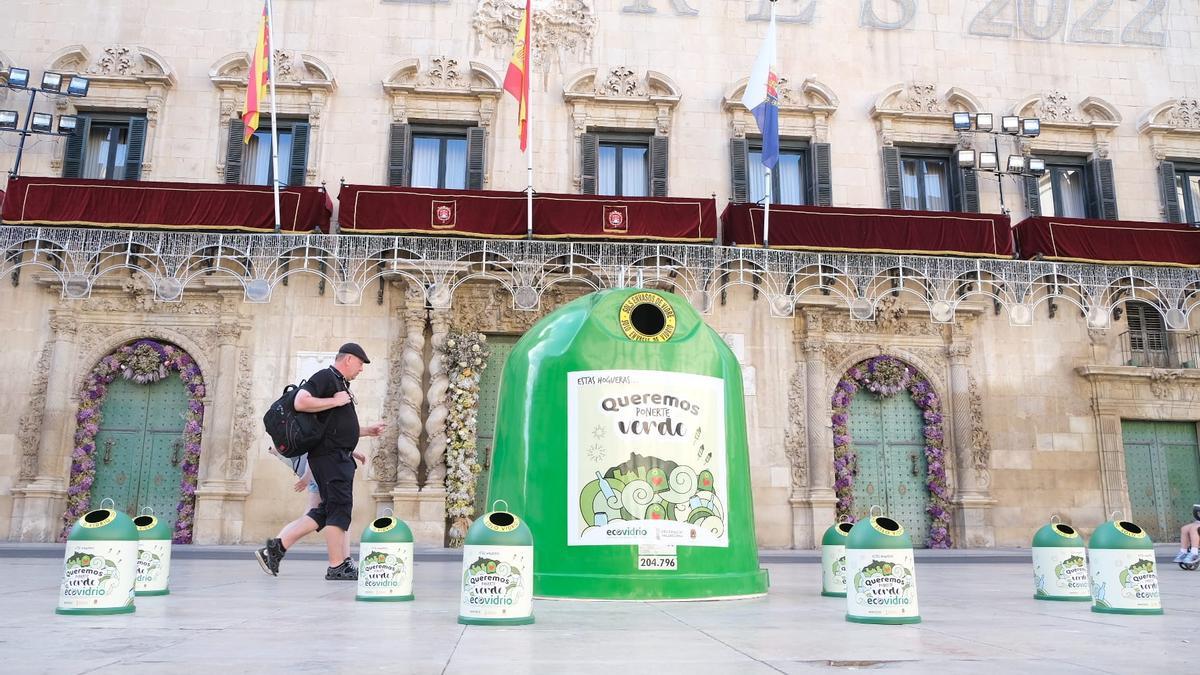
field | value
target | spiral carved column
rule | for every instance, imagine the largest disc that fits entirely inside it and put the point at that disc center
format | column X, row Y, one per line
column 412, row 359
column 435, row 425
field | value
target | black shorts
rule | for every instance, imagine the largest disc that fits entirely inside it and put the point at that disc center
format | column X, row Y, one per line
column 334, row 474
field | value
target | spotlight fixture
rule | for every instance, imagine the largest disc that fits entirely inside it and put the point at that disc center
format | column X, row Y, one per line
column 42, row 123
column 1016, row 163
column 52, row 82
column 1031, row 126
column 988, row 161
column 78, row 86
column 966, row 159
column 18, row 78
column 1037, row 166
column 67, row 124
column 1010, row 124
column 983, row 121
column 962, row 121
column 8, row 119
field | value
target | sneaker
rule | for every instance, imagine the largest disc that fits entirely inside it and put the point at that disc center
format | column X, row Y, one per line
column 270, row 555
column 1192, row 558
column 344, row 572
column 1181, row 557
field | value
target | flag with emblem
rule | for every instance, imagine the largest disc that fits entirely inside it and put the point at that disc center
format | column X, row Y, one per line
column 256, row 86
column 762, row 96
column 516, row 80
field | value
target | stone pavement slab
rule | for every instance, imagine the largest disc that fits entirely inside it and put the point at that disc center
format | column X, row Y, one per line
column 225, row 616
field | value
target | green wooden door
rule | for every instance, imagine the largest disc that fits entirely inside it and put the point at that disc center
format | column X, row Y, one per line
column 139, row 447
column 887, row 435
column 1162, row 468
column 489, row 395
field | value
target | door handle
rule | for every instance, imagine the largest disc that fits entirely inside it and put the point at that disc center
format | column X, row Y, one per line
column 175, row 445
column 912, row 458
column 108, row 446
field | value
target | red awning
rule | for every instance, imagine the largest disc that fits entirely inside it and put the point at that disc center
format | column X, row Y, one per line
column 502, row 215
column 167, row 206
column 1123, row 242
column 826, row 228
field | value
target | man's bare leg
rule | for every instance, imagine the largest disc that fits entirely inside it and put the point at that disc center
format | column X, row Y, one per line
column 297, row 530
column 337, row 543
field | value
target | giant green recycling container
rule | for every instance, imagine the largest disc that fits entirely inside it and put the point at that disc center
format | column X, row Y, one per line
column 1059, row 564
column 385, row 561
column 833, row 560
column 99, row 565
column 154, row 555
column 881, row 577
column 621, row 438
column 497, row 580
column 1124, row 575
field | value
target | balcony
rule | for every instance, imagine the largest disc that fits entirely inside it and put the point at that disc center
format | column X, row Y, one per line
column 1160, row 350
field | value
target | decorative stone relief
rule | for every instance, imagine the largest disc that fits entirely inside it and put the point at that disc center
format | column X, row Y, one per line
column 981, row 442
column 245, row 426
column 1185, row 114
column 439, row 384
column 893, row 321
column 795, row 439
column 487, row 309
column 384, row 461
column 562, row 29
column 889, row 314
column 621, row 82
column 412, row 369
column 1054, row 107
column 29, row 427
column 1162, row 382
column 444, row 72
column 922, row 97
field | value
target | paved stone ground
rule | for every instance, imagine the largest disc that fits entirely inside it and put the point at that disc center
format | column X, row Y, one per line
column 225, row 616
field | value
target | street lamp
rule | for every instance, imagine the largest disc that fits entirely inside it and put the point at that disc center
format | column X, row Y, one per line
column 40, row 123
column 1013, row 126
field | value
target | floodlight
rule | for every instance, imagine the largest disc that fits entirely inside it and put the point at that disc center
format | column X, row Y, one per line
column 8, row 119
column 988, row 160
column 1016, row 163
column 42, row 122
column 52, row 82
column 1010, row 124
column 1037, row 166
column 18, row 78
column 966, row 159
column 78, row 86
column 1031, row 126
column 983, row 121
column 67, row 124
column 962, row 121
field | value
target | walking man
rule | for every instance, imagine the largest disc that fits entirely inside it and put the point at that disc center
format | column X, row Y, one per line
column 332, row 464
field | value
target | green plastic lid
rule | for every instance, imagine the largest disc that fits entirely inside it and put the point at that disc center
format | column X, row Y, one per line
column 104, row 525
column 499, row 528
column 878, row 532
column 1120, row 534
column 387, row 530
column 150, row 528
column 836, row 534
column 1057, row 535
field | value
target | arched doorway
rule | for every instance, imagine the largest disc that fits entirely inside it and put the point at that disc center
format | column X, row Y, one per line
column 137, row 437
column 888, row 448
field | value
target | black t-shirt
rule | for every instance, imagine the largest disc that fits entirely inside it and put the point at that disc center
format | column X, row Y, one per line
column 341, row 423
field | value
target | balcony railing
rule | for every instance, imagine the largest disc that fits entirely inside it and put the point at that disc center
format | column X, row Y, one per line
column 1155, row 350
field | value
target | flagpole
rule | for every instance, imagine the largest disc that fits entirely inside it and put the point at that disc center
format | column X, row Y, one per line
column 767, row 209
column 528, row 125
column 274, row 126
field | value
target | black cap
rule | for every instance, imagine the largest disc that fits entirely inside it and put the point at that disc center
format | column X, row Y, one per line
column 353, row 349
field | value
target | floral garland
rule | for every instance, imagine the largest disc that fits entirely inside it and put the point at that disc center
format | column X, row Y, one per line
column 143, row 361
column 467, row 354
column 886, row 376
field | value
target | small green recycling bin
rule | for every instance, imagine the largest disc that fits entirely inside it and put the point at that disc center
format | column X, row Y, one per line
column 1124, row 576
column 497, row 578
column 833, row 560
column 100, row 565
column 154, row 555
column 385, row 561
column 881, row 577
column 1060, row 564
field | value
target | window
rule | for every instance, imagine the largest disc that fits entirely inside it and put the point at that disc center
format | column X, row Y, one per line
column 789, row 178
column 106, row 146
column 436, row 156
column 623, row 164
column 1147, row 336
column 1187, row 189
column 925, row 183
column 1063, row 190
column 250, row 163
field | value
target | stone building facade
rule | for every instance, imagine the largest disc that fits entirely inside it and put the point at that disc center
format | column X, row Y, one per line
column 1042, row 391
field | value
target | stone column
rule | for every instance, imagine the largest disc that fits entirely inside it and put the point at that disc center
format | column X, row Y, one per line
column 220, row 491
column 973, row 525
column 412, row 360
column 821, row 499
column 433, row 492
column 38, row 505
column 795, row 442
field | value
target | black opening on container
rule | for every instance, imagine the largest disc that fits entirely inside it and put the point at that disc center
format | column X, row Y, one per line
column 380, row 523
column 143, row 521
column 887, row 524
column 648, row 319
column 1130, row 527
column 97, row 516
column 501, row 519
column 1064, row 529
column 845, row 527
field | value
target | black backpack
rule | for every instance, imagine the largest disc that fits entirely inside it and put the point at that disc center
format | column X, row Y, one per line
column 293, row 432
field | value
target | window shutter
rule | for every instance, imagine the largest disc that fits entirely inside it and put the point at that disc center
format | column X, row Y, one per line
column 1105, row 189
column 1033, row 196
column 399, row 162
column 739, row 149
column 73, row 155
column 822, row 174
column 476, row 138
column 1170, row 197
column 968, row 189
column 658, row 166
column 589, row 155
column 891, row 178
column 298, row 166
column 136, row 149
column 233, row 155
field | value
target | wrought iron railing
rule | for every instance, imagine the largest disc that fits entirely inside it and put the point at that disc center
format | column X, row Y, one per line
column 1158, row 350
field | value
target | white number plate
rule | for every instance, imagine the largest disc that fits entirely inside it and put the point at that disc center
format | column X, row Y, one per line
column 657, row 562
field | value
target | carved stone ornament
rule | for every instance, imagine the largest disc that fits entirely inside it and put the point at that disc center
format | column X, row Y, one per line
column 245, row 426
column 889, row 314
column 484, row 308
column 981, row 442
column 29, row 427
column 922, row 97
column 893, row 321
column 795, row 439
column 444, row 73
column 621, row 82
column 562, row 29
column 1054, row 107
column 1162, row 382
column 1185, row 114
column 384, row 458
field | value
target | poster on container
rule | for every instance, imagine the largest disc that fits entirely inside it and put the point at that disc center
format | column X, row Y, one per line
column 646, row 460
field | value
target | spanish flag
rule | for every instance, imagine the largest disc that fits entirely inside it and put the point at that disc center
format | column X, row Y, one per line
column 256, row 87
column 516, row 80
